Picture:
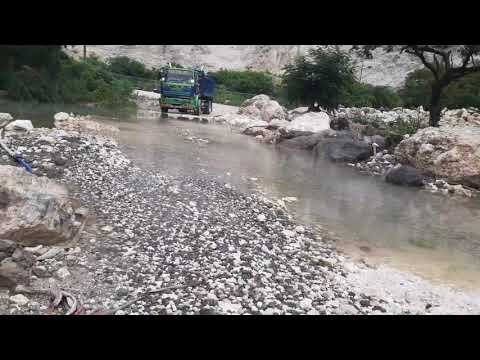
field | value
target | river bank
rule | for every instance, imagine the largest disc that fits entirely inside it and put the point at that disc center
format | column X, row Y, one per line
column 235, row 252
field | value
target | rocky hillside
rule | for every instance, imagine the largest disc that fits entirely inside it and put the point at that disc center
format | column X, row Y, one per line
column 383, row 69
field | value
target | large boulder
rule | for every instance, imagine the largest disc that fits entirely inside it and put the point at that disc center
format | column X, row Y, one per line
column 344, row 150
column 35, row 210
column 311, row 121
column 22, row 125
column 261, row 107
column 404, row 175
column 343, row 147
column 307, row 140
column 451, row 153
column 240, row 121
column 297, row 112
column 278, row 124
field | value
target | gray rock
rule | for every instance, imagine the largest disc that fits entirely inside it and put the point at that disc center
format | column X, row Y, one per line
column 404, row 175
column 7, row 246
column 63, row 273
column 339, row 123
column 344, row 150
column 41, row 271
column 34, row 210
column 12, row 273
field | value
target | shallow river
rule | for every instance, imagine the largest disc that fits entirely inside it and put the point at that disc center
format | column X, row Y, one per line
column 431, row 235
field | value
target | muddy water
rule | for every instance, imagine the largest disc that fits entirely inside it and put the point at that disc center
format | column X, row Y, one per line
column 433, row 236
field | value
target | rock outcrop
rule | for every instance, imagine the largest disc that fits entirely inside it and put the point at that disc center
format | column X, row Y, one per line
column 404, row 175
column 261, row 107
column 310, row 121
column 35, row 210
column 451, row 153
column 346, row 150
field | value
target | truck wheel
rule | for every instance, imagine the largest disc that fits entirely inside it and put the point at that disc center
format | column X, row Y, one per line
column 207, row 109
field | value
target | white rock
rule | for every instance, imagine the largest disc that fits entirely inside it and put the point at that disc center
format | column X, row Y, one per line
column 311, row 121
column 24, row 125
column 261, row 218
column 306, row 304
column 288, row 233
column 19, row 299
column 107, row 229
column 229, row 307
column 63, row 273
column 61, row 116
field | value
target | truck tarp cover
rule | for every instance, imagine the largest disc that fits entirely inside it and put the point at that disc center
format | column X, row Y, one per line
column 207, row 87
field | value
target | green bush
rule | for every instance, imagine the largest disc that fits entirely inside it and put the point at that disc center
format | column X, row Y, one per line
column 462, row 93
column 365, row 95
column 223, row 96
column 126, row 66
column 248, row 82
column 47, row 75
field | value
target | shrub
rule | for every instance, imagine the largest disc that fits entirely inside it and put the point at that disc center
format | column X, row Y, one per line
column 322, row 75
column 130, row 67
column 365, row 95
column 66, row 80
column 248, row 82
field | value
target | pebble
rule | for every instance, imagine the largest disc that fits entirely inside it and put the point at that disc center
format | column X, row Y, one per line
column 288, row 233
column 107, row 229
column 299, row 229
column 261, row 218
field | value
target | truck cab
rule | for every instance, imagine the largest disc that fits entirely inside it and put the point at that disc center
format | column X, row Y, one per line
column 187, row 90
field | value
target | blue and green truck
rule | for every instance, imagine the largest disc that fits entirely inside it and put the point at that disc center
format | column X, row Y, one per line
column 186, row 90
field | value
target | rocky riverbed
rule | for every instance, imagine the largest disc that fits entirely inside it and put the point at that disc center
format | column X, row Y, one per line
column 228, row 252
column 441, row 160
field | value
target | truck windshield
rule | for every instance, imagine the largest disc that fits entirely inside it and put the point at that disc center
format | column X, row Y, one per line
column 179, row 76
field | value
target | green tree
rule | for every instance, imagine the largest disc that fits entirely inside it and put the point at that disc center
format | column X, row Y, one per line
column 322, row 75
column 246, row 81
